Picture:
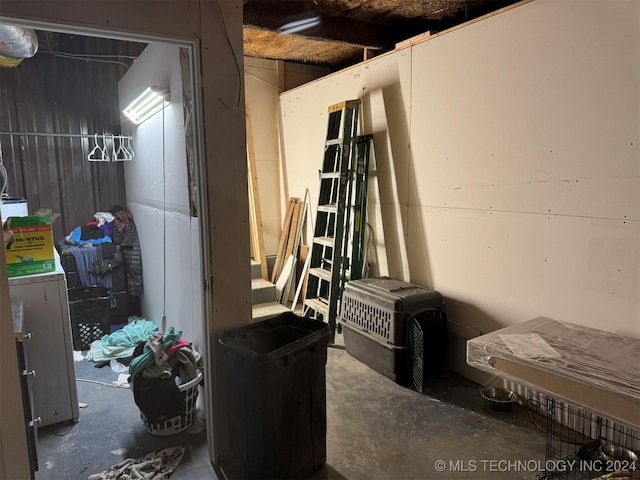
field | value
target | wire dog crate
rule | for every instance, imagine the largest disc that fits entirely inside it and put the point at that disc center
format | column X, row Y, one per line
column 582, row 444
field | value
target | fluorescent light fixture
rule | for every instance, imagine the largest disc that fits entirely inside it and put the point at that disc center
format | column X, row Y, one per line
column 150, row 102
column 300, row 25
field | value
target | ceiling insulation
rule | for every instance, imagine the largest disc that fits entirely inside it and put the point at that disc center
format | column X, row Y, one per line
column 390, row 11
column 336, row 33
column 264, row 43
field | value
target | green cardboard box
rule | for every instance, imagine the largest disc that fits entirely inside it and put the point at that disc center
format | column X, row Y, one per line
column 31, row 250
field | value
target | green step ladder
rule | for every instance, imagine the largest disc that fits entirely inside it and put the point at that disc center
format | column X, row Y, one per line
column 337, row 251
column 357, row 200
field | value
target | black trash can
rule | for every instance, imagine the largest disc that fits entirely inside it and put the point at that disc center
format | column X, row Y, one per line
column 275, row 372
column 89, row 308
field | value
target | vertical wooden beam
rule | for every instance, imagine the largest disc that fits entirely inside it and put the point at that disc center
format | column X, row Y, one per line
column 280, row 75
column 14, row 457
column 255, row 220
column 225, row 221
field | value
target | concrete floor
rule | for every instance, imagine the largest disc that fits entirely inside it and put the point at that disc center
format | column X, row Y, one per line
column 376, row 429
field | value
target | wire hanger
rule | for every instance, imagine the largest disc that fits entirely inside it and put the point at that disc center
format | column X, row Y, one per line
column 98, row 154
column 130, row 148
column 121, row 154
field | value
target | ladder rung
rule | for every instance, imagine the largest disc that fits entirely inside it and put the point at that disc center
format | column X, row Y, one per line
column 317, row 304
column 329, row 208
column 326, row 241
column 321, row 273
column 344, row 105
column 330, row 175
column 333, row 141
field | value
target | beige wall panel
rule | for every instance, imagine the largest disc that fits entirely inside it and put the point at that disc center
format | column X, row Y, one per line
column 265, row 132
column 296, row 74
column 268, row 173
column 263, row 78
column 384, row 116
column 511, row 116
column 501, row 268
column 261, row 96
column 260, row 80
column 386, row 247
column 522, row 181
column 382, row 84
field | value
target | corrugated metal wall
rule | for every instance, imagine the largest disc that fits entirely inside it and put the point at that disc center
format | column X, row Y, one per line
column 50, row 93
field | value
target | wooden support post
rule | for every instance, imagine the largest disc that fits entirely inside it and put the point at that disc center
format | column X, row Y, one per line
column 255, row 217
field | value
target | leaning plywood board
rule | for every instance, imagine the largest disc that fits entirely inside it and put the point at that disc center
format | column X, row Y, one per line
column 302, row 283
column 284, row 277
column 284, row 235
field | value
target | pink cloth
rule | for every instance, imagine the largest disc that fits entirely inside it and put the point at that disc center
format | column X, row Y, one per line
column 179, row 344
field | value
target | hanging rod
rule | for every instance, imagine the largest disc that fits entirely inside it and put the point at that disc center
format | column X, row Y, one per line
column 66, row 135
column 122, row 152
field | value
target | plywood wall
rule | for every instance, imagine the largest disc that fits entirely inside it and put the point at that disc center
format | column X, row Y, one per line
column 261, row 86
column 158, row 198
column 264, row 80
column 507, row 164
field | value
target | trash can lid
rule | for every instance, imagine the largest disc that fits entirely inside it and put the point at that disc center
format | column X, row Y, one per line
column 276, row 337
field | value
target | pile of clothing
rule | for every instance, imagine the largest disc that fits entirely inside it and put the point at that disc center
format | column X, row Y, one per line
column 115, row 235
column 121, row 344
column 159, row 366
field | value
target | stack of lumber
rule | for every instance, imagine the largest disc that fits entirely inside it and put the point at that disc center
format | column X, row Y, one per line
column 284, row 268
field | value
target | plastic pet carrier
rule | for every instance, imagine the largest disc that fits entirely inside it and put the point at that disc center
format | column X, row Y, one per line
column 89, row 308
column 381, row 307
column 376, row 314
column 390, row 360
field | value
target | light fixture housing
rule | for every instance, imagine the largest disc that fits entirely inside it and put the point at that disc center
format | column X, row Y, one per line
column 148, row 103
column 300, row 25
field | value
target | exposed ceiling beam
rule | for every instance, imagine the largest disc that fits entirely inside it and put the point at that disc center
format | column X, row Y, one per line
column 293, row 17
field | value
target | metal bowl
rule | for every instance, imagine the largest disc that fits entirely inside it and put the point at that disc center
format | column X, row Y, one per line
column 499, row 399
column 609, row 452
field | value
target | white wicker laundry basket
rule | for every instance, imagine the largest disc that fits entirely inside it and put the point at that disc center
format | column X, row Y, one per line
column 179, row 423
